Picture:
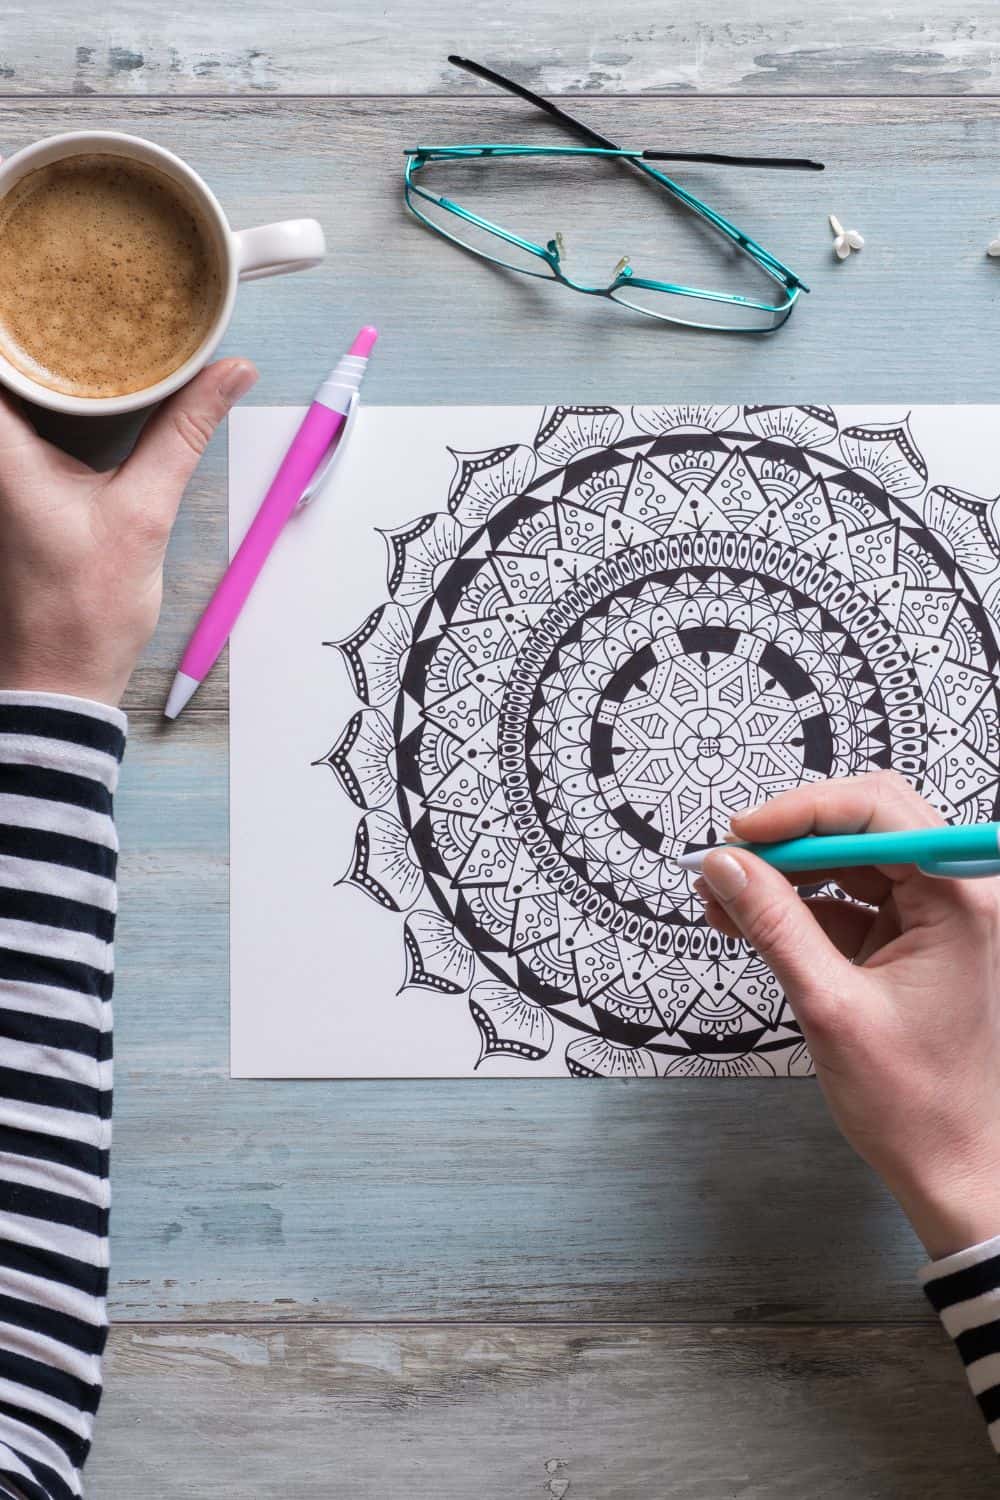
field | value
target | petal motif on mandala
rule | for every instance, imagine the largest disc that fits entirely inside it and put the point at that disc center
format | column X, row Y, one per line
column 684, row 418
column 806, row 426
column 363, row 759
column 622, row 531
column 697, row 512
column 482, row 481
column 887, row 453
column 509, row 1025
column 374, row 654
column 416, row 551
column 966, row 524
column 567, row 431
column 579, row 528
column 696, row 1065
column 651, row 496
column 596, row 1057
column 383, row 863
column 632, row 1011
column 436, row 957
column 674, row 996
column 576, row 931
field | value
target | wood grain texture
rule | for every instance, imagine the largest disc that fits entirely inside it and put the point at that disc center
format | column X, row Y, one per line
column 138, row 47
column 617, row 1413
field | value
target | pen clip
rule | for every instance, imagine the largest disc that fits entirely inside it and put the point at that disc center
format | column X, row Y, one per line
column 329, row 461
column 960, row 869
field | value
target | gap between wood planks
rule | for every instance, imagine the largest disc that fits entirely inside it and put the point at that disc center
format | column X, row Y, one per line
column 262, row 95
column 750, row 1325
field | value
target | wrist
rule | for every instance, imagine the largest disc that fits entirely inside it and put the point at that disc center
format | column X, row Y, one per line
column 92, row 686
column 951, row 1211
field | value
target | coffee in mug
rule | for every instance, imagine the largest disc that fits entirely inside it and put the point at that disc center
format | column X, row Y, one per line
column 110, row 276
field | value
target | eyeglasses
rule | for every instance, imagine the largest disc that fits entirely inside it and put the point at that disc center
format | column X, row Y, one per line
column 729, row 312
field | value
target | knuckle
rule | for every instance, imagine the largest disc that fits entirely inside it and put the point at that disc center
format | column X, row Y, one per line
column 889, row 783
column 770, row 929
column 194, row 428
column 824, row 1015
column 826, row 799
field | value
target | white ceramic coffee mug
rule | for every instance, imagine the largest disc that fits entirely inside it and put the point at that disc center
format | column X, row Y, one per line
column 244, row 255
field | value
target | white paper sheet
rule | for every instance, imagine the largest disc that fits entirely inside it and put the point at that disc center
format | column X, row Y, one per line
column 642, row 724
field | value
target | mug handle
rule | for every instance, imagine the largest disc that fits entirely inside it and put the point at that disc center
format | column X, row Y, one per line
column 274, row 249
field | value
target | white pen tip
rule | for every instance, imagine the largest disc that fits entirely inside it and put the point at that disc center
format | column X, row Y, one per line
column 697, row 857
column 182, row 690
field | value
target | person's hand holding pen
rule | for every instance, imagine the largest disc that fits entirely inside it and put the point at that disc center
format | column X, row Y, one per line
column 897, row 993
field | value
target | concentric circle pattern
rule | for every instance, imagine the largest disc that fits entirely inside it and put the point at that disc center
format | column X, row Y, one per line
column 605, row 645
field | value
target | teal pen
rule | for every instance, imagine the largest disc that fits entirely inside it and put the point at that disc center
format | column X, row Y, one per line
column 963, row 851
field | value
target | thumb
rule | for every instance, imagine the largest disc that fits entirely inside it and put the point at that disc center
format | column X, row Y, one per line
column 779, row 925
column 174, row 440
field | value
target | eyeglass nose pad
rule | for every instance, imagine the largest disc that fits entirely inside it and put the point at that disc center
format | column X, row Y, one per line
column 623, row 268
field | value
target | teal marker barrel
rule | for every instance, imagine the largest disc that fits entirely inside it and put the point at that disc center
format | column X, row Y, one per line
column 971, row 842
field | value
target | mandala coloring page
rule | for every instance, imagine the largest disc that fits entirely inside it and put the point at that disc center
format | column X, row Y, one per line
column 600, row 645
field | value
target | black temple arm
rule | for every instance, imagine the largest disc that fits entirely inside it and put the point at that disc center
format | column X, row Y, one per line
column 792, row 163
column 595, row 138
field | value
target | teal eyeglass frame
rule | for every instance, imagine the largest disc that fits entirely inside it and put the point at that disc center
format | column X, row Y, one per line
column 624, row 279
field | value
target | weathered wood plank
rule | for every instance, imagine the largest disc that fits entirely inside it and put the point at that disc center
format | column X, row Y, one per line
column 135, row 47
column 625, row 1413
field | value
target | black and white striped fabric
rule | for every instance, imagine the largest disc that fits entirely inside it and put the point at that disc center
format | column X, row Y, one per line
column 59, row 761
column 964, row 1290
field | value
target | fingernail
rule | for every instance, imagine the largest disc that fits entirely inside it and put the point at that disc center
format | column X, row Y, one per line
column 724, row 875
column 237, row 381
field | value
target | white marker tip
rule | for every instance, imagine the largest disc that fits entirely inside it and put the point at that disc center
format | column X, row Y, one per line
column 691, row 861
column 697, row 857
column 182, row 690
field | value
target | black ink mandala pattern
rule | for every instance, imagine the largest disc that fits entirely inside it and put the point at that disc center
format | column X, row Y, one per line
column 606, row 644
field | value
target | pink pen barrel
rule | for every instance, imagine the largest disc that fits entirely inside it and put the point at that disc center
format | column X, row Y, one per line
column 299, row 465
column 300, row 468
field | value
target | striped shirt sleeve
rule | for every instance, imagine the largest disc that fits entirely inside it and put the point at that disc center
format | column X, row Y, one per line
column 59, row 760
column 964, row 1290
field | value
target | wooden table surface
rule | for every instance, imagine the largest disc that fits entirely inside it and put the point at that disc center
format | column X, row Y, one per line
column 607, row 1291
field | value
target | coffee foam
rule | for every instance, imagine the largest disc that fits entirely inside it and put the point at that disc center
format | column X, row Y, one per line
column 109, row 276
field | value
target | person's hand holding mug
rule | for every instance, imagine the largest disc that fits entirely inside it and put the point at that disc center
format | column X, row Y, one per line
column 81, row 554
column 897, row 993
column 118, row 276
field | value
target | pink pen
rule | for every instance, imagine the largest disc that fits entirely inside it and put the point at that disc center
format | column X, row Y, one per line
column 312, row 445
